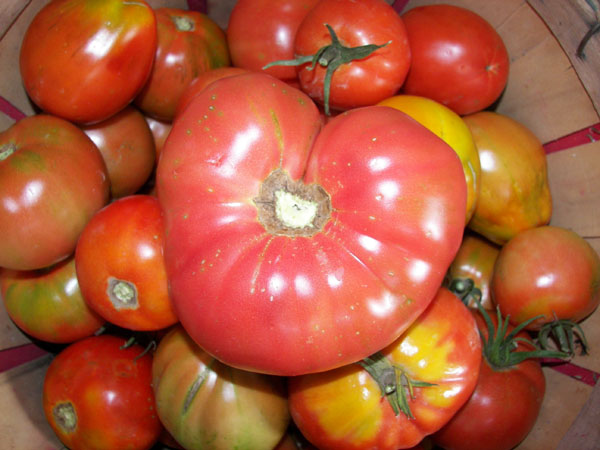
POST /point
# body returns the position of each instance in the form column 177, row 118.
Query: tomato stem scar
column 65, row 416
column 122, row 294
column 6, row 150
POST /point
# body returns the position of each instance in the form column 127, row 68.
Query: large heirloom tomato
column 52, row 180
column 98, row 396
column 514, row 194
column 289, row 252
column 124, row 279
column 458, row 58
column 204, row 403
column 47, row 304
column 352, row 408
column 189, row 43
column 85, row 60
column 548, row 271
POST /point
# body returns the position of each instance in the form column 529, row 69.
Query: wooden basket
column 551, row 89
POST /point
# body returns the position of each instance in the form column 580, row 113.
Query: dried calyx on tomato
column 331, row 57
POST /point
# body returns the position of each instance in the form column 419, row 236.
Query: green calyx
column 6, row 150
column 499, row 348
column 330, row 56
column 393, row 382
column 563, row 332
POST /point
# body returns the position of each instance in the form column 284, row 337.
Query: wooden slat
column 9, row 11
column 570, row 21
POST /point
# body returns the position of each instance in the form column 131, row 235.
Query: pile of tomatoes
column 311, row 233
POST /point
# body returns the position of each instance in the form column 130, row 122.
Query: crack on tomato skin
column 65, row 416
column 195, row 387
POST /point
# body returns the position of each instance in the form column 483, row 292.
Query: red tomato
column 505, row 404
column 47, row 304
column 475, row 260
column 124, row 278
column 458, row 58
column 367, row 80
column 52, row 180
column 349, row 409
column 85, row 60
column 514, row 194
column 329, row 247
column 206, row 404
column 98, row 396
column 549, row 271
column 189, row 43
column 160, row 131
column 127, row 146
column 198, row 84
column 252, row 46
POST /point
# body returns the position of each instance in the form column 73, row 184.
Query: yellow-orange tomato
column 514, row 194
column 450, row 127
column 475, row 259
column 345, row 408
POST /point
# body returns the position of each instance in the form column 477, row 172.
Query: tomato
column 47, row 304
column 475, row 260
column 252, row 46
column 189, row 43
column 548, row 271
column 450, row 127
column 201, row 81
column 507, row 399
column 97, row 395
column 124, row 279
column 206, row 404
column 160, row 131
column 515, row 194
column 85, row 60
column 127, row 146
column 348, row 408
column 458, row 58
column 367, row 80
column 52, row 180
column 328, row 246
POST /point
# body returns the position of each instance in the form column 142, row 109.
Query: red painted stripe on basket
column 13, row 357
column 581, row 137
column 198, row 5
column 579, row 373
column 11, row 110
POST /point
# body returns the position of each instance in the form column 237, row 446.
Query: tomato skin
column 198, row 84
column 252, row 47
column 549, row 271
column 475, row 260
column 470, row 60
column 503, row 408
column 47, row 304
column 127, row 146
column 231, row 409
column 85, row 60
column 366, row 81
column 515, row 194
column 344, row 408
column 397, row 196
column 450, row 127
column 160, row 131
column 128, row 263
column 189, row 43
column 50, row 185
column 109, row 389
